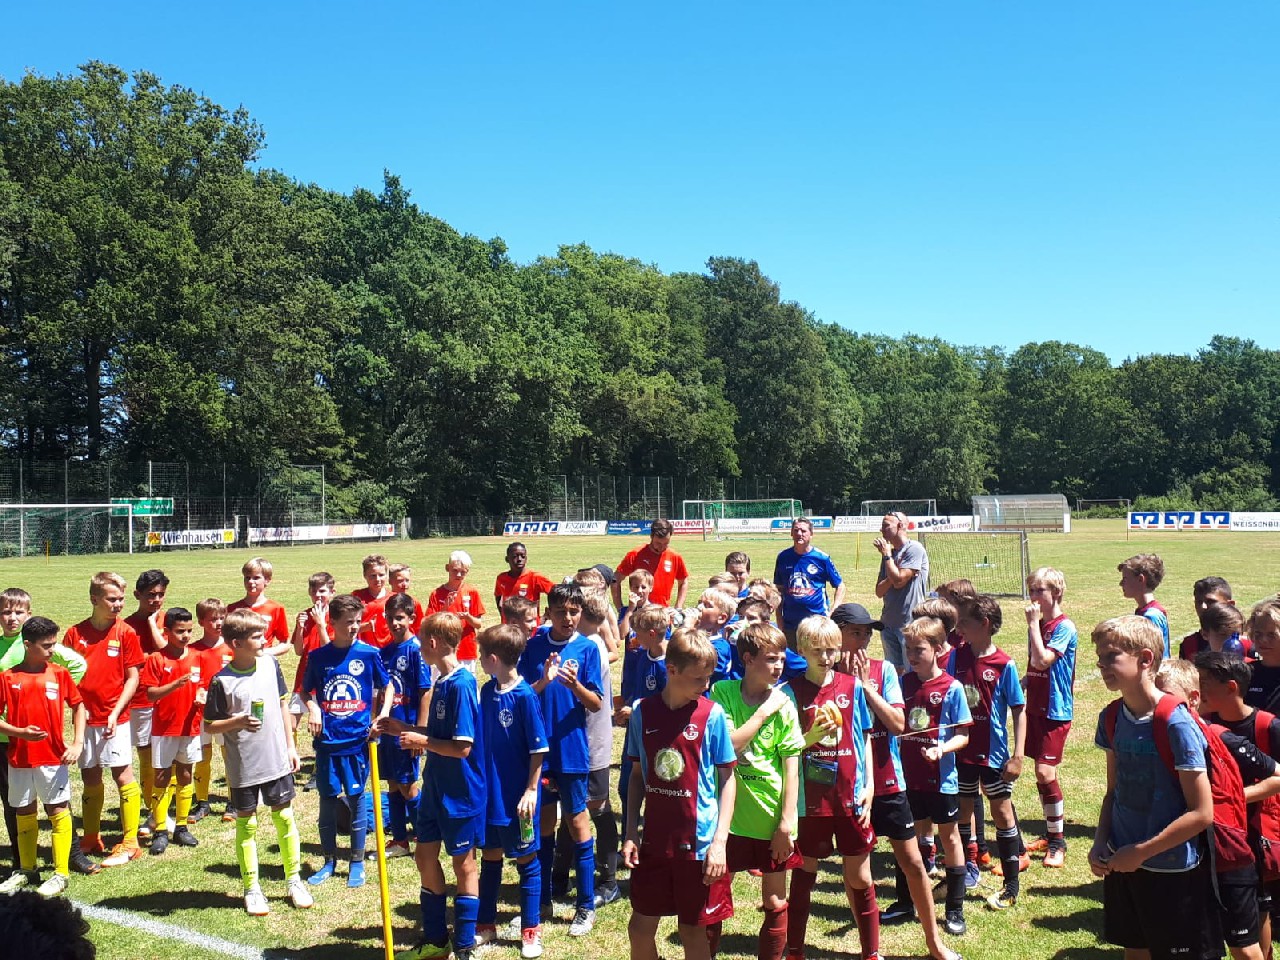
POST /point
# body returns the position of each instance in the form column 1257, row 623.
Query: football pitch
column 196, row 892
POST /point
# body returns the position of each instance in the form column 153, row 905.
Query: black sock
column 606, row 845
column 955, row 889
column 1007, row 842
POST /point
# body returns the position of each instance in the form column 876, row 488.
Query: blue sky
column 989, row 173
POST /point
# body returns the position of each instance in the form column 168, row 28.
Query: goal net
column 1107, row 507
column 36, row 529
column 996, row 563
column 912, row 508
column 743, row 519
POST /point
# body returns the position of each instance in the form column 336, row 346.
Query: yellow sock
column 28, row 833
column 247, row 850
column 185, row 793
column 146, row 777
column 203, row 774
column 62, row 842
column 160, row 809
column 130, row 806
column 95, row 795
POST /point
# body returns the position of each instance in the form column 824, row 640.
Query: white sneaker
column 255, row 903
column 299, row 895
column 17, row 880
column 583, row 922
column 513, row 930
column 55, row 886
column 531, row 943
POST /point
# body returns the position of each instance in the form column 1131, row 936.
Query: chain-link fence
column 637, row 497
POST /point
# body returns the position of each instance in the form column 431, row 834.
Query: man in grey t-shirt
column 903, row 579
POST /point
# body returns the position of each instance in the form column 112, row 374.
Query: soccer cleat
column 606, row 895
column 1001, row 901
column 92, row 843
column 465, row 953
column 147, row 827
column 122, row 854
column 531, row 943
column 1056, row 857
column 954, row 923
column 583, row 922
column 426, row 951
column 323, row 874
column 159, row 843
column 228, row 815
column 199, row 812
column 971, row 874
column 255, row 902
column 938, row 871
column 184, row 838
column 486, row 933
column 81, row 863
column 299, row 895
column 398, row 848
column 984, row 858
column 355, row 874
column 1024, row 861
column 897, row 912
column 1038, row 845
column 55, row 886
column 17, row 880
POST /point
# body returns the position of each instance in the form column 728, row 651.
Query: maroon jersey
column 933, row 707
column 832, row 770
column 980, row 678
column 885, row 763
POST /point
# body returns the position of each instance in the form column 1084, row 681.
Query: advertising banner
column 332, row 531
column 191, row 538
column 1182, row 520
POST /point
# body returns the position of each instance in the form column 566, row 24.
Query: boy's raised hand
column 1033, row 612
column 568, row 673
column 551, row 667
column 775, row 701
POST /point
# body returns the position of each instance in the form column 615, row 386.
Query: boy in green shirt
column 767, row 739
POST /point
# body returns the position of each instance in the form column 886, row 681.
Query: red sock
column 773, row 934
column 866, row 913
column 802, row 883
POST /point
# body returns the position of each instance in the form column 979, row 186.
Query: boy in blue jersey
column 563, row 667
column 802, row 573
column 343, row 679
column 715, row 608
column 515, row 745
column 989, row 760
column 1157, row 893
column 411, row 686
column 644, row 673
column 752, row 611
column 1140, row 575
column 739, row 564
column 451, row 813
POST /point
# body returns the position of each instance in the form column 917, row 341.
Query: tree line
column 162, row 297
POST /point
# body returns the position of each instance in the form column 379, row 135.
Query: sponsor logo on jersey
column 690, row 732
column 668, row 764
column 356, row 667
column 935, row 698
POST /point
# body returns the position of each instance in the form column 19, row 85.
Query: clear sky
column 991, row 173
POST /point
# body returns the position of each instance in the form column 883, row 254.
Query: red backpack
column 1269, row 809
column 1229, row 834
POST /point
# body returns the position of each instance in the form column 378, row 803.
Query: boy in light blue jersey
column 1140, row 575
column 715, row 608
column 411, row 683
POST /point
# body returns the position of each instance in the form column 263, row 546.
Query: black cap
column 604, row 570
column 854, row 614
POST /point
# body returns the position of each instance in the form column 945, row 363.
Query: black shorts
column 1238, row 899
column 598, row 787
column 1269, row 900
column 274, row 793
column 934, row 806
column 891, row 817
column 972, row 775
column 1171, row 914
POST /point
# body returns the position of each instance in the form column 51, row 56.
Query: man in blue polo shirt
column 802, row 574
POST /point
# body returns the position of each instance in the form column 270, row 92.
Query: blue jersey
column 1160, row 617
column 794, row 666
column 642, row 675
column 991, row 688
column 410, row 678
column 344, row 682
column 1146, row 797
column 803, row 580
column 456, row 785
column 726, row 653
column 1051, row 693
column 513, row 732
column 563, row 716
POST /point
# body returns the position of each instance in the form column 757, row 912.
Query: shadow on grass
column 162, row 903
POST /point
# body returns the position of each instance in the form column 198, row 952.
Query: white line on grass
column 124, row 918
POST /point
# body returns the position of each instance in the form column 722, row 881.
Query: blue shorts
column 396, row 765
column 567, row 789
column 343, row 774
column 507, row 836
column 457, row 835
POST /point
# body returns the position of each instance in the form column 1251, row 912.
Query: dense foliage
column 160, row 297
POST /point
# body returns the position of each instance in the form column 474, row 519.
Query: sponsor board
column 627, row 528
column 191, row 538
column 856, row 524
column 744, row 525
column 691, row 526
column 945, row 524
column 1182, row 520
column 1255, row 521
column 819, row 523
column 527, row 528
column 583, row 528
column 332, row 531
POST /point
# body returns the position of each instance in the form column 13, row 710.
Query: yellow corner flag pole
column 381, row 842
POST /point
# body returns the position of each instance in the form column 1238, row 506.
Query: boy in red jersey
column 519, row 581
column 175, row 682
column 311, row 631
column 682, row 774
column 257, row 573
column 32, row 698
column 114, row 657
column 373, row 628
column 399, row 580
column 214, row 655
column 149, row 590
column 458, row 597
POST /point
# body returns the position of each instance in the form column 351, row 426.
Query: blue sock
column 411, row 807
column 546, row 857
column 490, row 883
column 587, row 873
column 328, row 826
column 323, row 874
column 360, row 805
column 530, row 893
column 355, row 874
column 434, row 929
column 464, row 922
column 399, row 817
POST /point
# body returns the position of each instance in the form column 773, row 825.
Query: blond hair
column 1131, row 634
column 927, row 628
column 98, row 585
column 815, row 628
column 688, row 648
column 243, row 623
column 257, row 565
column 1048, row 577
column 1178, row 673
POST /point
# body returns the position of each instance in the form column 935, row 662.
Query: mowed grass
column 1058, row 916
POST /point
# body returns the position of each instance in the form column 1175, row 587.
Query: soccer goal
column 996, row 563
column 40, row 529
column 912, row 508
column 1106, row 507
column 742, row 519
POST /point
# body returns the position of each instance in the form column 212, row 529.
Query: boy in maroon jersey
column 682, row 761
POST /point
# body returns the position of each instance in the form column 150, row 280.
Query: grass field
column 1058, row 916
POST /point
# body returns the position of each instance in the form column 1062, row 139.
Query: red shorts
column 664, row 888
column 851, row 840
column 1046, row 739
column 748, row 853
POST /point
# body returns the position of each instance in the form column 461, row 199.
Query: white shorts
column 140, row 725
column 296, row 705
column 100, row 752
column 165, row 751
column 49, row 785
column 207, row 738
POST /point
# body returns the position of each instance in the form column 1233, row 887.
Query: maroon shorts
column 1046, row 739
column 664, row 888
column 748, row 853
column 850, row 839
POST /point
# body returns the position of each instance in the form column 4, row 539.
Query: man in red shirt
column 666, row 565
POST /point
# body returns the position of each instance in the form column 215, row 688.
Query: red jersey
column 312, row 639
column 832, row 770
column 109, row 654
column 466, row 600
column 667, row 567
column 530, row 585
column 176, row 714
column 278, row 621
column 212, row 660
column 886, row 762
column 36, row 699
column 934, row 709
column 141, row 624
column 373, row 625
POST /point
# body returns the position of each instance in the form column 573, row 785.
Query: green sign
column 143, row 506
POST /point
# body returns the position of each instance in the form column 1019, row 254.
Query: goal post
column 740, row 519
column 1104, row 507
column 33, row 529
column 997, row 563
column 912, row 508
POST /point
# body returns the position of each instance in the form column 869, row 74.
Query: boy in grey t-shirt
column 248, row 704
column 903, row 579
